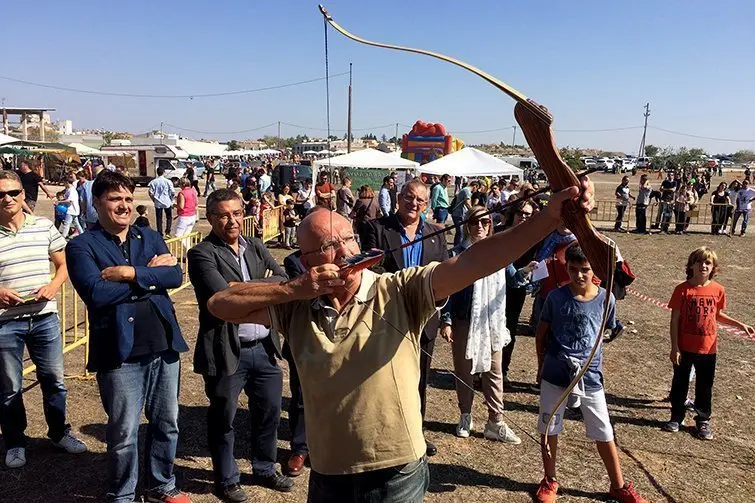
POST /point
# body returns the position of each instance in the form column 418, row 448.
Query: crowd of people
column 359, row 341
column 678, row 195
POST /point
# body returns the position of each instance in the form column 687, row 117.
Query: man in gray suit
column 233, row 357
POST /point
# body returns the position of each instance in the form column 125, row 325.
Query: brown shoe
column 296, row 464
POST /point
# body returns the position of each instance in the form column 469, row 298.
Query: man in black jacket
column 233, row 357
column 389, row 233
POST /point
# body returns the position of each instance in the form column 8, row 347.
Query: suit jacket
column 385, row 234
column 110, row 304
column 212, row 265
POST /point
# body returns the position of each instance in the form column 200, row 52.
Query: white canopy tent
column 82, row 149
column 470, row 162
column 367, row 158
column 4, row 138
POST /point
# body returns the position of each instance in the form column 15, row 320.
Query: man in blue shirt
column 384, row 197
column 162, row 194
column 408, row 225
column 123, row 273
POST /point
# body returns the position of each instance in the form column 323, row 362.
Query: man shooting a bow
column 354, row 336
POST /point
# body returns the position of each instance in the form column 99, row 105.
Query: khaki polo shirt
column 359, row 371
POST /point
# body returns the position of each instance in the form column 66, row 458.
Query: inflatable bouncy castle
column 427, row 142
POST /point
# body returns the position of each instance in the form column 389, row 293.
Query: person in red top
column 325, row 192
column 696, row 309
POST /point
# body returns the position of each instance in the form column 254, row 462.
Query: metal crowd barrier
column 699, row 214
column 74, row 325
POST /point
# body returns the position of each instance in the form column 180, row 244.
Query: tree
column 270, row 140
column 651, row 150
column 744, row 156
column 333, row 137
column 233, row 145
column 384, row 138
column 571, row 157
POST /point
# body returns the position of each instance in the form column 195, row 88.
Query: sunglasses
column 524, row 214
column 483, row 221
column 12, row 193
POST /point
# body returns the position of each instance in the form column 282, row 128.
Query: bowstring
column 327, row 119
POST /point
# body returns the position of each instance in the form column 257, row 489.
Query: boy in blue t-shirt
column 61, row 209
column 568, row 328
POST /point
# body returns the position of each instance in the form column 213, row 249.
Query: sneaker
column 617, row 330
column 71, row 444
column 231, row 494
column 464, row 428
column 547, row 491
column 626, row 494
column 501, row 432
column 172, row 496
column 671, row 427
column 703, row 431
column 15, row 457
column 276, row 482
column 689, row 405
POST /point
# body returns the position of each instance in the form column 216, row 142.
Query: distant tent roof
column 4, row 138
column 82, row 149
column 470, row 162
column 367, row 158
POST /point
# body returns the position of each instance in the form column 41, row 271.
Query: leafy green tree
column 234, row 145
column 651, row 150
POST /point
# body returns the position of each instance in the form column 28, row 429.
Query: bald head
column 325, row 237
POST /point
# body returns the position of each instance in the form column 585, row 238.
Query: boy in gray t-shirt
column 568, row 329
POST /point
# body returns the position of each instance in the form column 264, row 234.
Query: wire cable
column 169, row 96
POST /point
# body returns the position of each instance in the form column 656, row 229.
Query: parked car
column 628, row 165
column 606, row 163
column 644, row 162
column 176, row 171
column 589, row 162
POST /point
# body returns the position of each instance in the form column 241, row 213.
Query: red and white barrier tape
column 725, row 328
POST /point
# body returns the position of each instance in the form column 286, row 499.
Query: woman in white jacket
column 474, row 321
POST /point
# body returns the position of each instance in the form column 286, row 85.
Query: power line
column 221, row 132
column 170, row 96
column 339, row 130
column 698, row 136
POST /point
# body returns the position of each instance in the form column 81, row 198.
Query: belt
column 251, row 344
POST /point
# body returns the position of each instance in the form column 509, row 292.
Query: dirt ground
column 664, row 467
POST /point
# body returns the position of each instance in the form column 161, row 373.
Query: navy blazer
column 110, row 304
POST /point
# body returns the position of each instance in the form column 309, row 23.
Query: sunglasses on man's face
column 12, row 193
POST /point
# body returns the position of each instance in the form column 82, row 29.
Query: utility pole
column 162, row 135
column 278, row 144
column 395, row 139
column 644, row 131
column 513, row 138
column 348, row 127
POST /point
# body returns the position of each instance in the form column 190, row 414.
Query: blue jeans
column 152, row 385
column 440, row 215
column 745, row 220
column 259, row 375
column 41, row 335
column 398, row 484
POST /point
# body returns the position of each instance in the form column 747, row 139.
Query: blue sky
column 593, row 63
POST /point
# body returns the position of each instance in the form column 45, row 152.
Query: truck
column 147, row 158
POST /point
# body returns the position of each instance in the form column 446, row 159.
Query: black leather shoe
column 431, row 449
column 232, row 494
column 276, row 482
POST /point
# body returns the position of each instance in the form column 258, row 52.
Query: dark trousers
column 620, row 209
column 705, row 370
column 515, row 298
column 459, row 232
column 718, row 217
column 641, row 215
column 681, row 220
column 261, row 379
column 425, row 360
column 159, row 219
column 398, row 484
column 295, row 407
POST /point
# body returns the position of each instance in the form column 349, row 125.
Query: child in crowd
column 569, row 325
column 141, row 219
column 696, row 309
column 290, row 219
column 61, row 208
